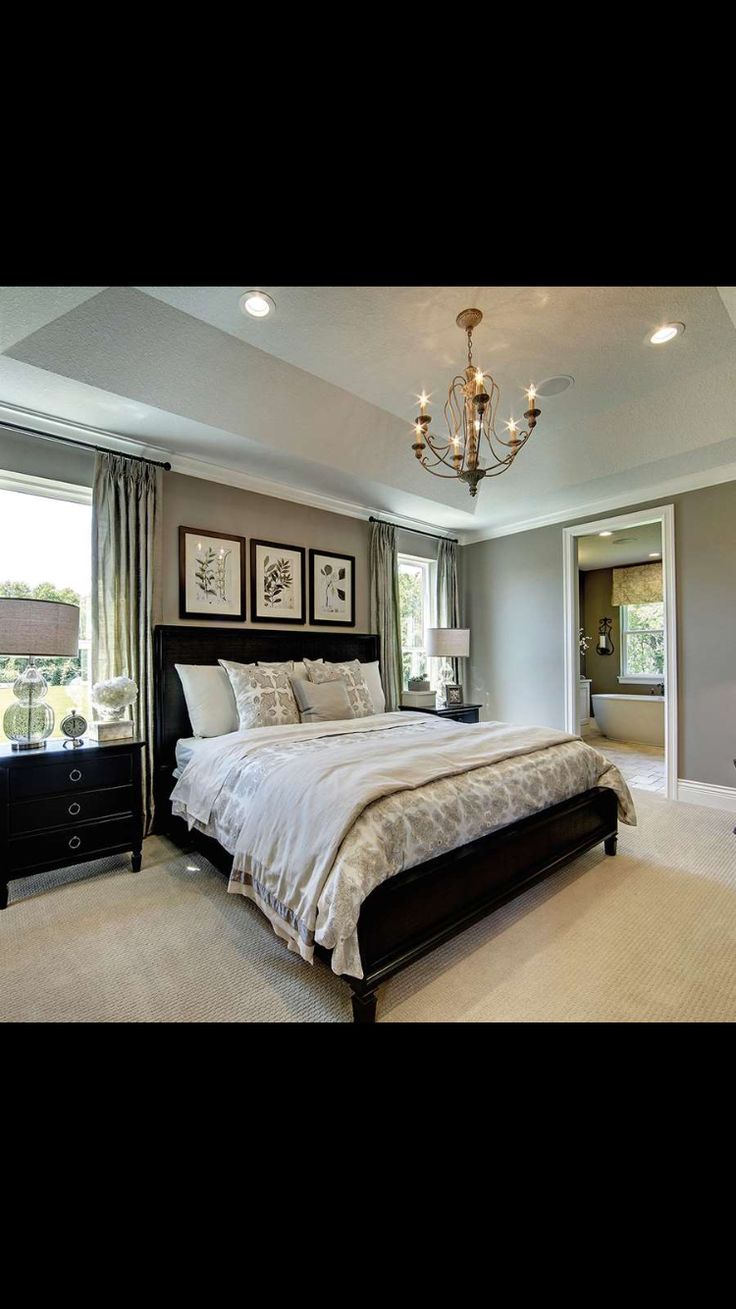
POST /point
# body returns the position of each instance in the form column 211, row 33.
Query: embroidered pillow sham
column 350, row 673
column 263, row 695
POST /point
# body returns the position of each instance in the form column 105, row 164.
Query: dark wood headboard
column 205, row 645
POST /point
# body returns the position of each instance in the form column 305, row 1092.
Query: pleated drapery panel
column 125, row 501
column 448, row 597
column 385, row 611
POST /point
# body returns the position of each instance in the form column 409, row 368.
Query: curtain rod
column 437, row 536
column 69, row 440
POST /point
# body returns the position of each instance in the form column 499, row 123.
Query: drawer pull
column 74, row 809
column 75, row 775
column 75, row 843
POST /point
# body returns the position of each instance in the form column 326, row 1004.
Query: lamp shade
column 448, row 642
column 38, row 627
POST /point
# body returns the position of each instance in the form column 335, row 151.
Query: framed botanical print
column 277, row 583
column 331, row 589
column 211, row 575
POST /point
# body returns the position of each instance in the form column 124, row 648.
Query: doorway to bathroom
column 620, row 643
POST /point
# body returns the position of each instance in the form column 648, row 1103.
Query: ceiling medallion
column 473, row 449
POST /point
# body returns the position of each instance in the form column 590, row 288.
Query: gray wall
column 38, row 458
column 193, row 502
column 513, row 606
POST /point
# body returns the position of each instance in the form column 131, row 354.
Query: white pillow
column 350, row 673
column 210, row 700
column 263, row 695
column 291, row 667
column 372, row 678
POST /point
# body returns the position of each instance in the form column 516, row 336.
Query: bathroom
column 622, row 650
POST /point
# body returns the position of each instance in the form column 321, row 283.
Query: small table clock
column 74, row 726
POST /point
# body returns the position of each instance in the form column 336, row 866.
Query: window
column 417, row 603
column 642, row 642
column 45, row 554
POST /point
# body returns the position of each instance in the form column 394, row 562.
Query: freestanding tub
column 638, row 718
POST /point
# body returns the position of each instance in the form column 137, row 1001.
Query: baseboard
column 715, row 797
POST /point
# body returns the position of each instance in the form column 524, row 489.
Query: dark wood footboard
column 413, row 913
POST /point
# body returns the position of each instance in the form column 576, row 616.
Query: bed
column 399, row 913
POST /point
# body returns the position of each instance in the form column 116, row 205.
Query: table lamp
column 33, row 628
column 447, row 643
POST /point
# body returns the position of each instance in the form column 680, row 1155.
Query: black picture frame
column 314, row 555
column 205, row 615
column 453, row 693
column 277, row 619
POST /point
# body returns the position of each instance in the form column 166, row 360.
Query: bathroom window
column 417, row 605
column 642, row 642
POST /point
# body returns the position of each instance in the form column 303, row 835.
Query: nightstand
column 62, row 805
column 459, row 713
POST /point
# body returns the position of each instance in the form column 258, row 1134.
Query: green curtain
column 385, row 613
column 448, row 597
column 124, row 523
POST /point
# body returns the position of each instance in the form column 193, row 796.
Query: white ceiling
column 631, row 545
column 319, row 397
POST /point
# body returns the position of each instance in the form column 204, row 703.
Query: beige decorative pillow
column 293, row 667
column 350, row 673
column 322, row 703
column 263, row 695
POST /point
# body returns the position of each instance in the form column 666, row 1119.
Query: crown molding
column 190, row 466
column 694, row 481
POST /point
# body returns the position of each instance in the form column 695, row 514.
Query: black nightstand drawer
column 74, row 774
column 469, row 716
column 69, row 810
column 70, row 844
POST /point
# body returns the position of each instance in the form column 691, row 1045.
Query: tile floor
column 641, row 765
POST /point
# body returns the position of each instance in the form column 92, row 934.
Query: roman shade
column 639, row 585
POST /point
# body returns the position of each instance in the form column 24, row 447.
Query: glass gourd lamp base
column 30, row 721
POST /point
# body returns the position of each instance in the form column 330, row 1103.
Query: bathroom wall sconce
column 604, row 645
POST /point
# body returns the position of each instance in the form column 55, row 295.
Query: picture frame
column 453, row 694
column 331, row 589
column 277, row 582
column 211, row 575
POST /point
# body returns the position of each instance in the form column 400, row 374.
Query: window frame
column 429, row 567
column 50, row 489
column 636, row 679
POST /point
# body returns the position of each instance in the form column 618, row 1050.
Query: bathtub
column 638, row 718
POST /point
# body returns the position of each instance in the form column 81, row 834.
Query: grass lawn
column 62, row 700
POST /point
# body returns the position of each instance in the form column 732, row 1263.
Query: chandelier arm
column 438, row 453
column 438, row 460
column 446, row 476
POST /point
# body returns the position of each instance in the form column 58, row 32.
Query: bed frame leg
column 364, row 1008
column 610, row 843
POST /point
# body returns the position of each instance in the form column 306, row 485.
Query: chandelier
column 473, row 449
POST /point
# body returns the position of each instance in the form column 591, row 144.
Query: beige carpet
column 648, row 936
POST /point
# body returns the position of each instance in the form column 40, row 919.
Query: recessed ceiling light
column 666, row 333
column 555, row 385
column 656, row 555
column 605, row 533
column 257, row 304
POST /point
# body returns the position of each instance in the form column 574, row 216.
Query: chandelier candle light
column 470, row 413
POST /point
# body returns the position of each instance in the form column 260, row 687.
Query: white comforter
column 318, row 815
